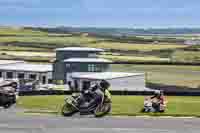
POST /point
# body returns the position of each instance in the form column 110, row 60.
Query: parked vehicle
column 8, row 94
column 72, row 106
column 153, row 105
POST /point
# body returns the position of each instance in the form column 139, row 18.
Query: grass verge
column 121, row 106
column 135, row 58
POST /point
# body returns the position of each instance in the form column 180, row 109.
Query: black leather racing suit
column 95, row 97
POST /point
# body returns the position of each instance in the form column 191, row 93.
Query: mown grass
column 183, row 36
column 165, row 74
column 86, row 41
column 41, row 59
column 50, row 40
column 21, row 48
column 19, row 31
column 28, row 53
column 121, row 105
column 186, row 56
column 136, row 47
column 31, row 36
column 135, row 58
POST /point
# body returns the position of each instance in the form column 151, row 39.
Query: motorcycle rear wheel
column 103, row 110
column 68, row 110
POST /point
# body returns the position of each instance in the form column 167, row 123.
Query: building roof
column 104, row 75
column 28, row 67
column 5, row 62
column 89, row 60
column 80, row 49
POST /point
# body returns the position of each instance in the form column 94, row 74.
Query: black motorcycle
column 71, row 106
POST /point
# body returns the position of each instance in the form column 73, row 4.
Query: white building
column 23, row 70
column 119, row 81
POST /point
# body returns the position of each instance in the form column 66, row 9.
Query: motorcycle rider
column 96, row 92
column 160, row 101
column 83, row 96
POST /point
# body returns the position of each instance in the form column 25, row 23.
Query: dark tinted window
column 43, row 79
column 32, row 76
column 9, row 75
column 21, row 76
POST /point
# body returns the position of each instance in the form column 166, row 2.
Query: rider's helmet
column 94, row 87
column 157, row 93
column 104, row 84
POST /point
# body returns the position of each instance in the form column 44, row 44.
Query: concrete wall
column 134, row 83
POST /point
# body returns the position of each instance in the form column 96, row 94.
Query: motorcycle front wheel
column 7, row 105
column 103, row 110
column 68, row 109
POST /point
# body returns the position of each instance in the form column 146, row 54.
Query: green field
column 137, row 47
column 29, row 36
column 19, row 31
column 186, row 56
column 22, row 48
column 122, row 105
column 27, row 53
column 15, row 42
column 135, row 58
column 37, row 41
column 165, row 74
column 90, row 42
column 50, row 40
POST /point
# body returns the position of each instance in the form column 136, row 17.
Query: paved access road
column 12, row 123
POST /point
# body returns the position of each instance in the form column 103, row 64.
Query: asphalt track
column 12, row 123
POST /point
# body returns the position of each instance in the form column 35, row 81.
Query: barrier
column 59, row 92
column 157, row 63
column 44, row 92
column 171, row 88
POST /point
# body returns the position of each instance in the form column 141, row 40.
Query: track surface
column 12, row 123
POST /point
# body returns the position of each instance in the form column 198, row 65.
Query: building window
column 98, row 68
column 44, row 79
column 9, row 75
column 1, row 75
column 91, row 67
column 68, row 65
column 94, row 68
column 92, row 55
column 21, row 76
column 32, row 76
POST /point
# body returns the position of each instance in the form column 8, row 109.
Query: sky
column 101, row 13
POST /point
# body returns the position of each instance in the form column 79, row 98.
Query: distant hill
column 119, row 31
